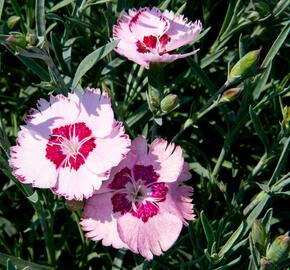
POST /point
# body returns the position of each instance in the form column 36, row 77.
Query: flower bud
column 168, row 103
column 31, row 39
column 153, row 99
column 74, row 205
column 245, row 64
column 279, row 249
column 253, row 16
column 12, row 21
column 259, row 235
column 230, row 94
column 17, row 40
column 265, row 264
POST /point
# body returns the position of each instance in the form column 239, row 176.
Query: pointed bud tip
column 231, row 94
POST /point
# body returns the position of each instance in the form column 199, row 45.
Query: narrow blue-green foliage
column 238, row 151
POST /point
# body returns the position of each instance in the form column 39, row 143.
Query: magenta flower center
column 137, row 192
column 153, row 44
column 70, row 145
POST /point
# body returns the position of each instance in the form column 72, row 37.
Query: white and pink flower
column 69, row 144
column 143, row 206
column 149, row 35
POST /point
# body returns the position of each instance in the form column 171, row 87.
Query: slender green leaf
column 61, row 5
column 254, row 254
column 230, row 264
column 164, row 4
column 210, row 58
column 231, row 241
column 276, row 46
column 266, row 220
column 112, row 65
column 21, row 264
column 209, row 234
column 57, row 48
column 259, row 129
column 1, row 7
column 281, row 162
column 40, row 18
column 90, row 60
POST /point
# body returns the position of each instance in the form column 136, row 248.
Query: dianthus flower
column 149, row 35
column 143, row 205
column 69, row 144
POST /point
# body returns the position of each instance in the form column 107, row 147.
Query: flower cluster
column 134, row 197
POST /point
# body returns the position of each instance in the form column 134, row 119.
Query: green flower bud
column 245, row 64
column 253, row 16
column 153, row 99
column 168, row 103
column 259, row 235
column 17, row 40
column 265, row 264
column 74, row 205
column 31, row 39
column 230, row 94
column 279, row 249
column 12, row 21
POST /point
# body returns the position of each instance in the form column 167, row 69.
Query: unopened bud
column 245, row 64
column 259, row 235
column 279, row 249
column 253, row 16
column 16, row 40
column 73, row 205
column 168, row 103
column 12, row 21
column 230, row 94
column 153, row 99
column 265, row 264
column 31, row 39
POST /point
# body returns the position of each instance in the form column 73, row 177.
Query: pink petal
column 52, row 114
column 129, row 50
column 148, row 22
column 140, row 147
column 185, row 174
column 181, row 32
column 166, row 159
column 178, row 202
column 150, row 57
column 109, row 151
column 152, row 237
column 77, row 185
column 99, row 222
column 96, row 111
column 28, row 160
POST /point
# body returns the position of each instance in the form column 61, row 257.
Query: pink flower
column 69, row 144
column 143, row 205
column 148, row 35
